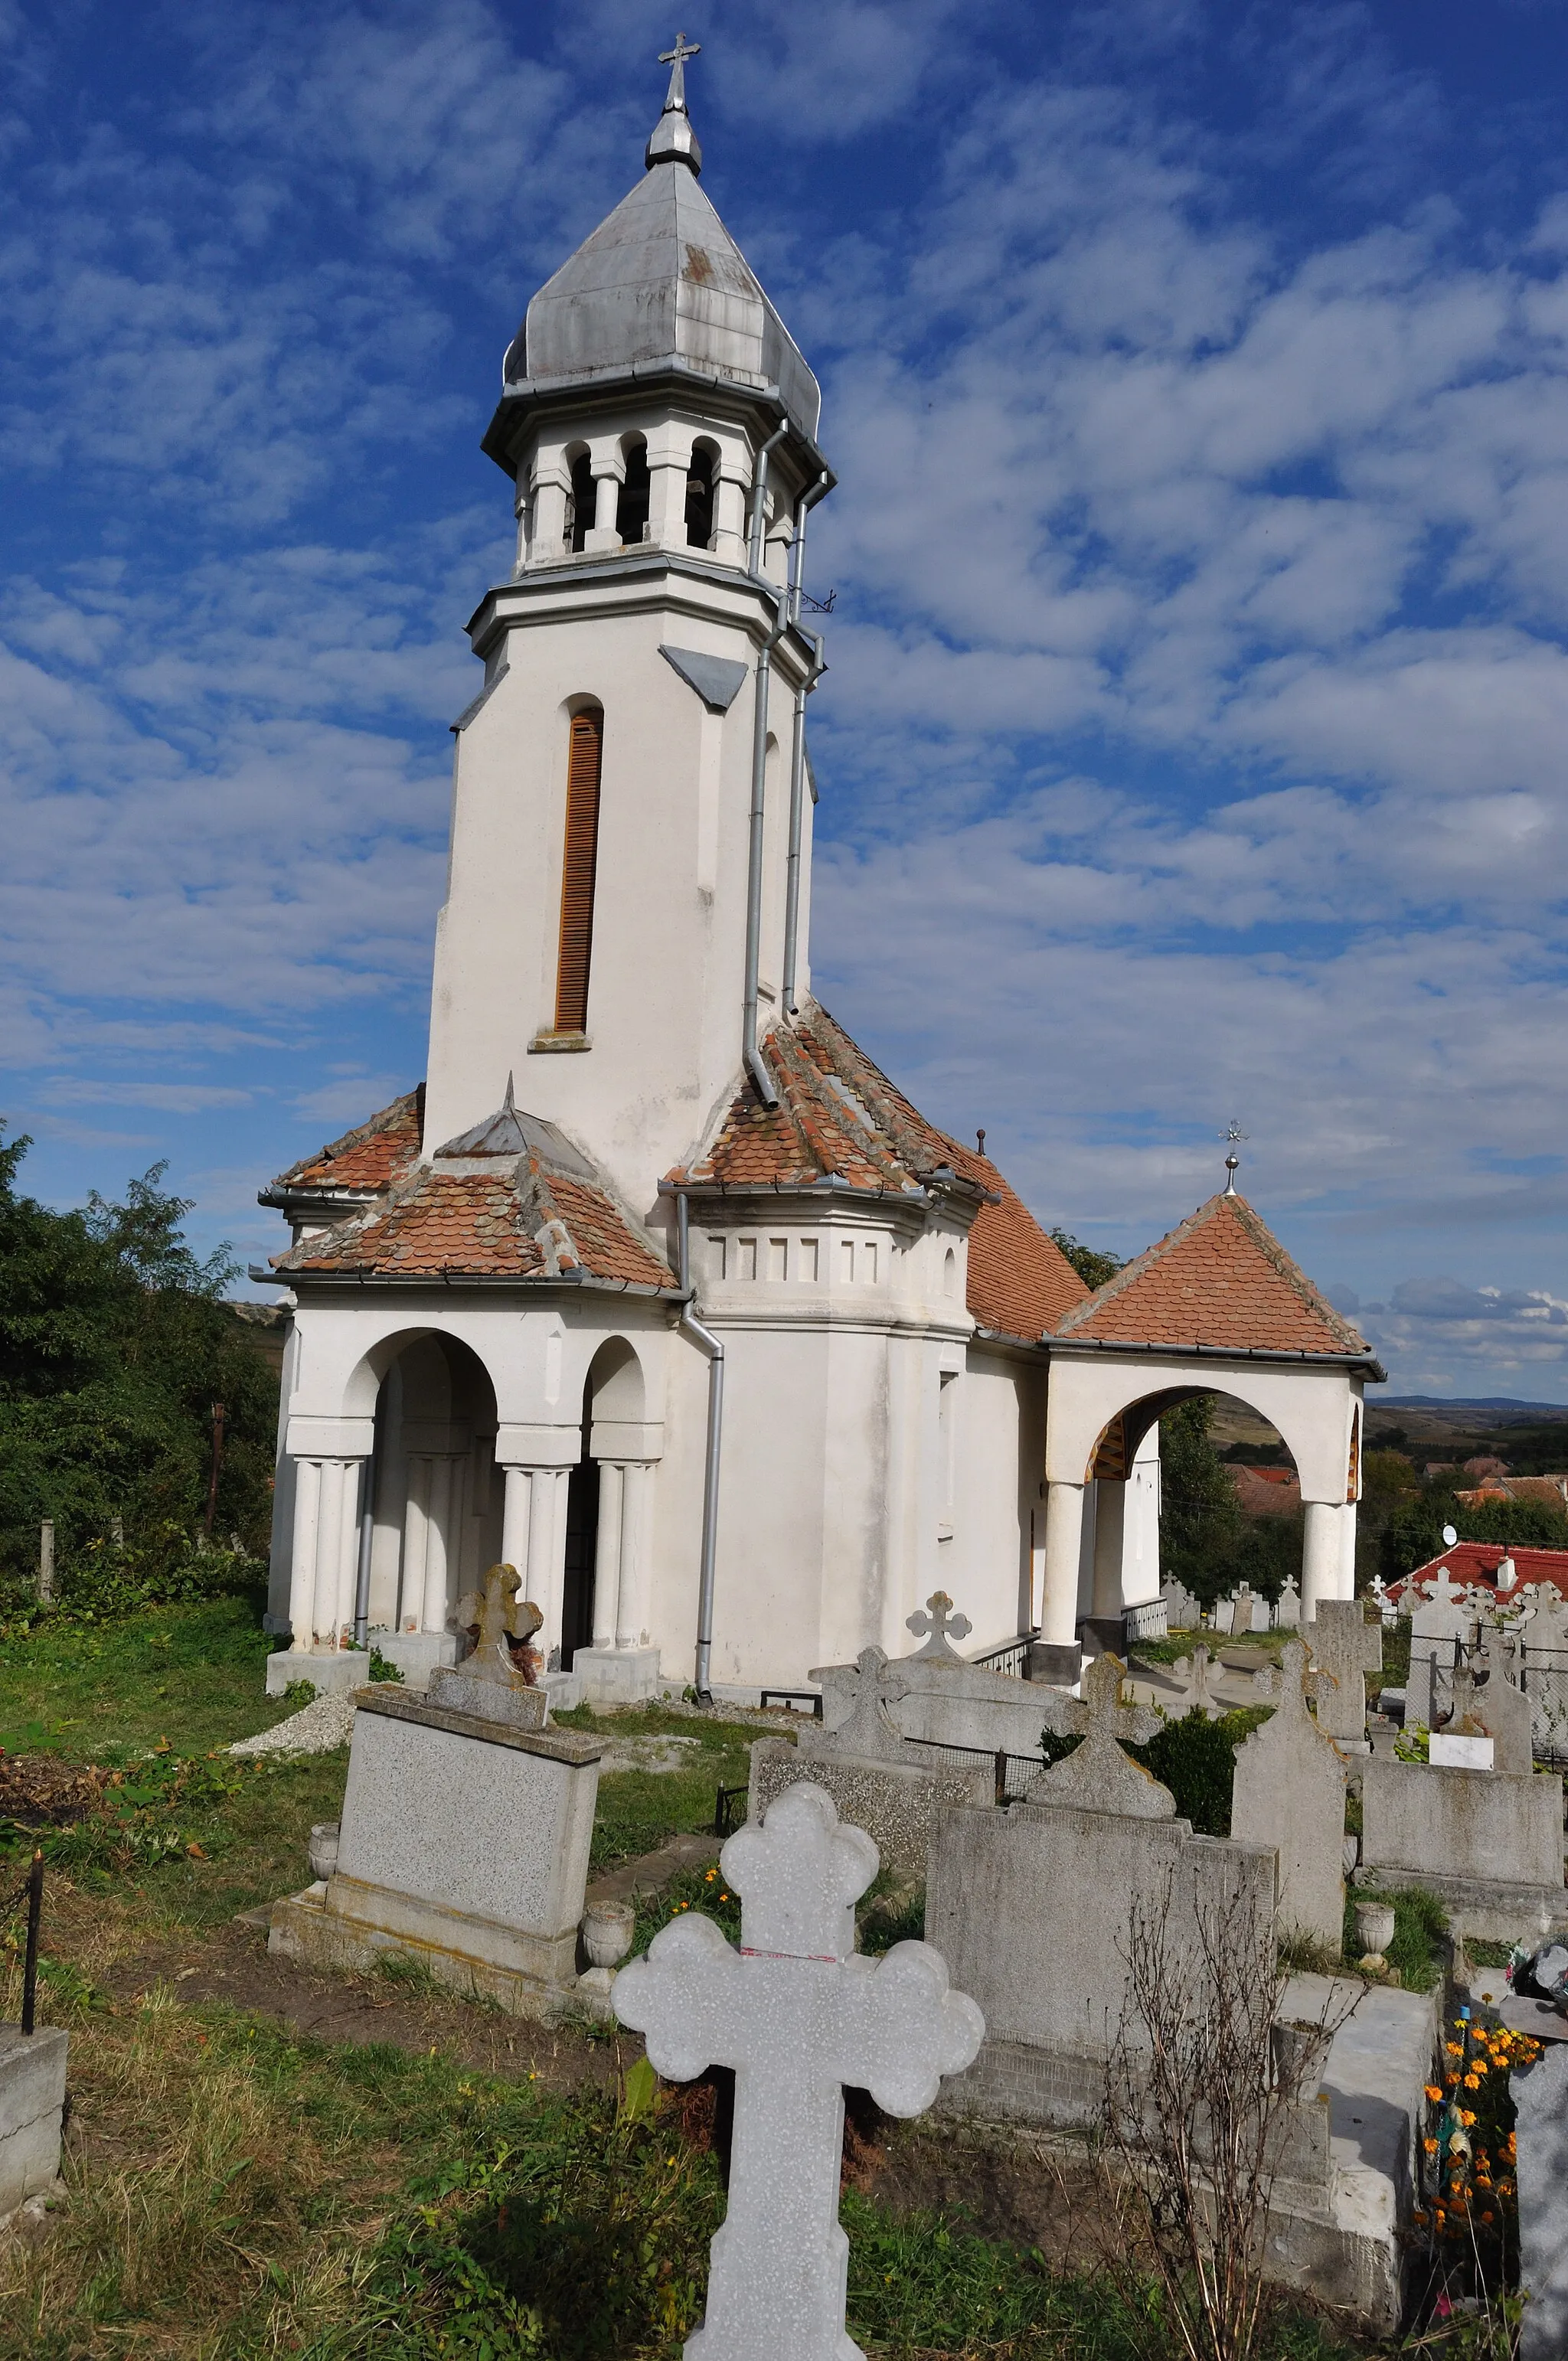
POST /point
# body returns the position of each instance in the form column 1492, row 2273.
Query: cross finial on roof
column 1231, row 1134
column 675, row 58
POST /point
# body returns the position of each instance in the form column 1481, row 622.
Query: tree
column 1201, row 1522
column 115, row 1344
column 1092, row 1267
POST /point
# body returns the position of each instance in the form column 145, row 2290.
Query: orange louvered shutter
column 577, row 872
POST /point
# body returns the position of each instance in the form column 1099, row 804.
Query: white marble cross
column 1097, row 1776
column 939, row 1619
column 797, row 2013
column 1347, row 1647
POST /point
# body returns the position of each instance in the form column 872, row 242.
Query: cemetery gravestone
column 1541, row 2097
column 879, row 1779
column 463, row 1842
column 1097, row 1776
column 1443, row 1622
column 933, row 1624
column 1287, row 1612
column 796, row 2014
column 1346, row 1647
column 1502, row 1709
column 1287, row 1790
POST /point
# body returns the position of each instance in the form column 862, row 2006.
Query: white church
column 656, row 1286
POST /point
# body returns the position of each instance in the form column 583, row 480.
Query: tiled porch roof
column 1222, row 1280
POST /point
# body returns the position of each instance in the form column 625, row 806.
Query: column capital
column 627, row 1439
column 538, row 1446
column 329, row 1438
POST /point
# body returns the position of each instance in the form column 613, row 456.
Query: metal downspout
column 797, row 821
column 693, row 1327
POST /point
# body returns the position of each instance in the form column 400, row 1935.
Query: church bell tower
column 628, row 887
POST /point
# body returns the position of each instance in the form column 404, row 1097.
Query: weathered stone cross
column 939, row 1619
column 1347, row 1647
column 798, row 2014
column 1097, row 1776
column 1194, row 1670
column 500, row 1614
column 869, row 1728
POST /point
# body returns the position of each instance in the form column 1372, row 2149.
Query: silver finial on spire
column 1231, row 1134
column 674, row 140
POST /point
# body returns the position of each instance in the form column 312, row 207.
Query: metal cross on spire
column 1231, row 1134
column 675, row 58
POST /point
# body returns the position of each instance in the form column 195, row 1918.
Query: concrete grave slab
column 1489, row 1844
column 464, row 1845
column 32, row 2106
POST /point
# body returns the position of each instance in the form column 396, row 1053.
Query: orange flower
column 1455, row 2049
column 1466, row 2116
column 1431, row 2147
column 1434, row 2092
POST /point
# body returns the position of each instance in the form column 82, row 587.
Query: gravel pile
column 316, row 1729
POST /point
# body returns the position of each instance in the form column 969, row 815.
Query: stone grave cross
column 1193, row 1670
column 939, row 1619
column 1346, row 1647
column 1097, row 1776
column 501, row 1615
column 1502, row 1707
column 797, row 2013
column 869, row 1728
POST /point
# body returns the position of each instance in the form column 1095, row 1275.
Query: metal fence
column 1011, row 1773
column 1542, row 1673
column 1011, row 1657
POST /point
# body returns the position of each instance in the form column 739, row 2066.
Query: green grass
column 1420, row 1924
column 247, row 2194
column 640, row 1810
column 104, row 1692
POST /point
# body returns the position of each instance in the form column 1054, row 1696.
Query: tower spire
column 674, row 140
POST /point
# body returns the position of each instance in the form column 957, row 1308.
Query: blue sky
column 1193, row 749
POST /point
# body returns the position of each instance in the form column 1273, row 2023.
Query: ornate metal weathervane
column 1231, row 1136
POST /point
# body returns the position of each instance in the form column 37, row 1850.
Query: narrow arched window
column 632, row 504
column 580, row 503
column 699, row 499
column 577, row 868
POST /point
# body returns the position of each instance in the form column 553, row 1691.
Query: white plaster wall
column 1140, row 1533
column 667, row 967
column 1002, row 1457
column 1309, row 1403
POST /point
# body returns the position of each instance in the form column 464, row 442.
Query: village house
column 655, row 1286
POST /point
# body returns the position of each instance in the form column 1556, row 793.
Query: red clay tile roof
column 373, row 1156
column 543, row 1214
column 1222, row 1279
column 1474, row 1565
column 838, row 1115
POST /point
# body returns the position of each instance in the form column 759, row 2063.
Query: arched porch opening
column 1103, row 1410
column 1192, row 1487
column 435, row 1494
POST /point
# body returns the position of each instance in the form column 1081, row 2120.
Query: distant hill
column 1497, row 1405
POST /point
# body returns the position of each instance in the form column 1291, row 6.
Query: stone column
column 1347, row 1551
column 514, row 1519
column 608, row 473
column 1058, row 1604
column 546, row 1578
column 437, row 1541
column 302, row 1563
column 346, row 1569
column 547, row 528
column 416, row 1531
column 669, row 463
column 636, row 1554
column 1110, row 1537
column 1322, row 1555
column 730, row 488
column 608, row 1558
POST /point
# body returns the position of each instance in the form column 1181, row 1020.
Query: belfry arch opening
column 632, row 506
column 699, row 496
column 435, row 1492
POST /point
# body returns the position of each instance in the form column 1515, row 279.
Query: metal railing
column 728, row 1809
column 1011, row 1774
column 1009, row 1656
